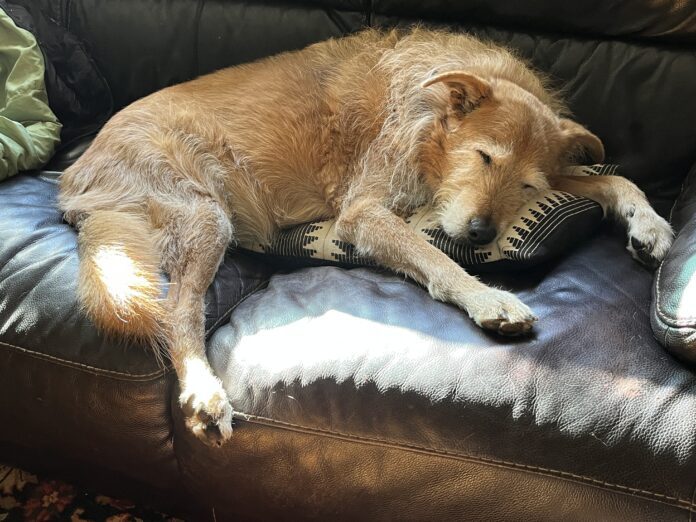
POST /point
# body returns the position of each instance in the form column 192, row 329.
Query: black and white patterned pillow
column 546, row 226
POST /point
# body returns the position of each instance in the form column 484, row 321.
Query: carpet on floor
column 25, row 497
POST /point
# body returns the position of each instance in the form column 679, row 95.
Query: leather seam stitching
column 674, row 205
column 86, row 367
column 688, row 504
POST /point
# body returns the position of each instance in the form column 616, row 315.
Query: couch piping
column 658, row 497
column 670, row 321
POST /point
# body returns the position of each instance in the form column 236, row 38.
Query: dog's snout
column 481, row 231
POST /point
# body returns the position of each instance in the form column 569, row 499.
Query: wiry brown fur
column 360, row 128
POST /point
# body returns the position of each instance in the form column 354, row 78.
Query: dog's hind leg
column 649, row 235
column 198, row 232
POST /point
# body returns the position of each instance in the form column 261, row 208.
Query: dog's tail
column 119, row 284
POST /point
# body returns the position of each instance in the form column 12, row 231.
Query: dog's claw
column 515, row 328
column 637, row 245
column 208, row 418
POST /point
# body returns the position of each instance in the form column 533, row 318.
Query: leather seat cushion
column 369, row 356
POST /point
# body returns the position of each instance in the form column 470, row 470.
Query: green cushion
column 29, row 131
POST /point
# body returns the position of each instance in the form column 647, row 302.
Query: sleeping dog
column 362, row 129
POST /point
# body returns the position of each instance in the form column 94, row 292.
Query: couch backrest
column 629, row 67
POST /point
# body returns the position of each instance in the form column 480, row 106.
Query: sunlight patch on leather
column 262, row 351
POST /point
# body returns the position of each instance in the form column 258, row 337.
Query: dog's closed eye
column 485, row 157
column 527, row 186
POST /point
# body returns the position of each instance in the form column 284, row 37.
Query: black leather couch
column 360, row 397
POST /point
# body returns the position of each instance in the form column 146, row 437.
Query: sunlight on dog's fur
column 363, row 129
column 119, row 278
column 119, row 274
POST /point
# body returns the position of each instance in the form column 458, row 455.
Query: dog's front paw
column 500, row 311
column 649, row 237
column 208, row 411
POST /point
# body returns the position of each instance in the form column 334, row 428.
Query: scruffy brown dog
column 360, row 128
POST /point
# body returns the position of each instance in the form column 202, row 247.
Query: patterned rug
column 26, row 497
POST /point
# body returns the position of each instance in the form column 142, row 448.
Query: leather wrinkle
column 229, row 310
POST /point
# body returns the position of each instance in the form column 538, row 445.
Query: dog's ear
column 467, row 91
column 579, row 141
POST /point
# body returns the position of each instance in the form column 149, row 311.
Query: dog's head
column 494, row 146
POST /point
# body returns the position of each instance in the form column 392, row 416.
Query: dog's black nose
column 481, row 231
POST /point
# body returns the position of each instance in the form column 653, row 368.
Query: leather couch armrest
column 673, row 308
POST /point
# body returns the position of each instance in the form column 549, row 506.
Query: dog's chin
column 457, row 237
column 462, row 239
